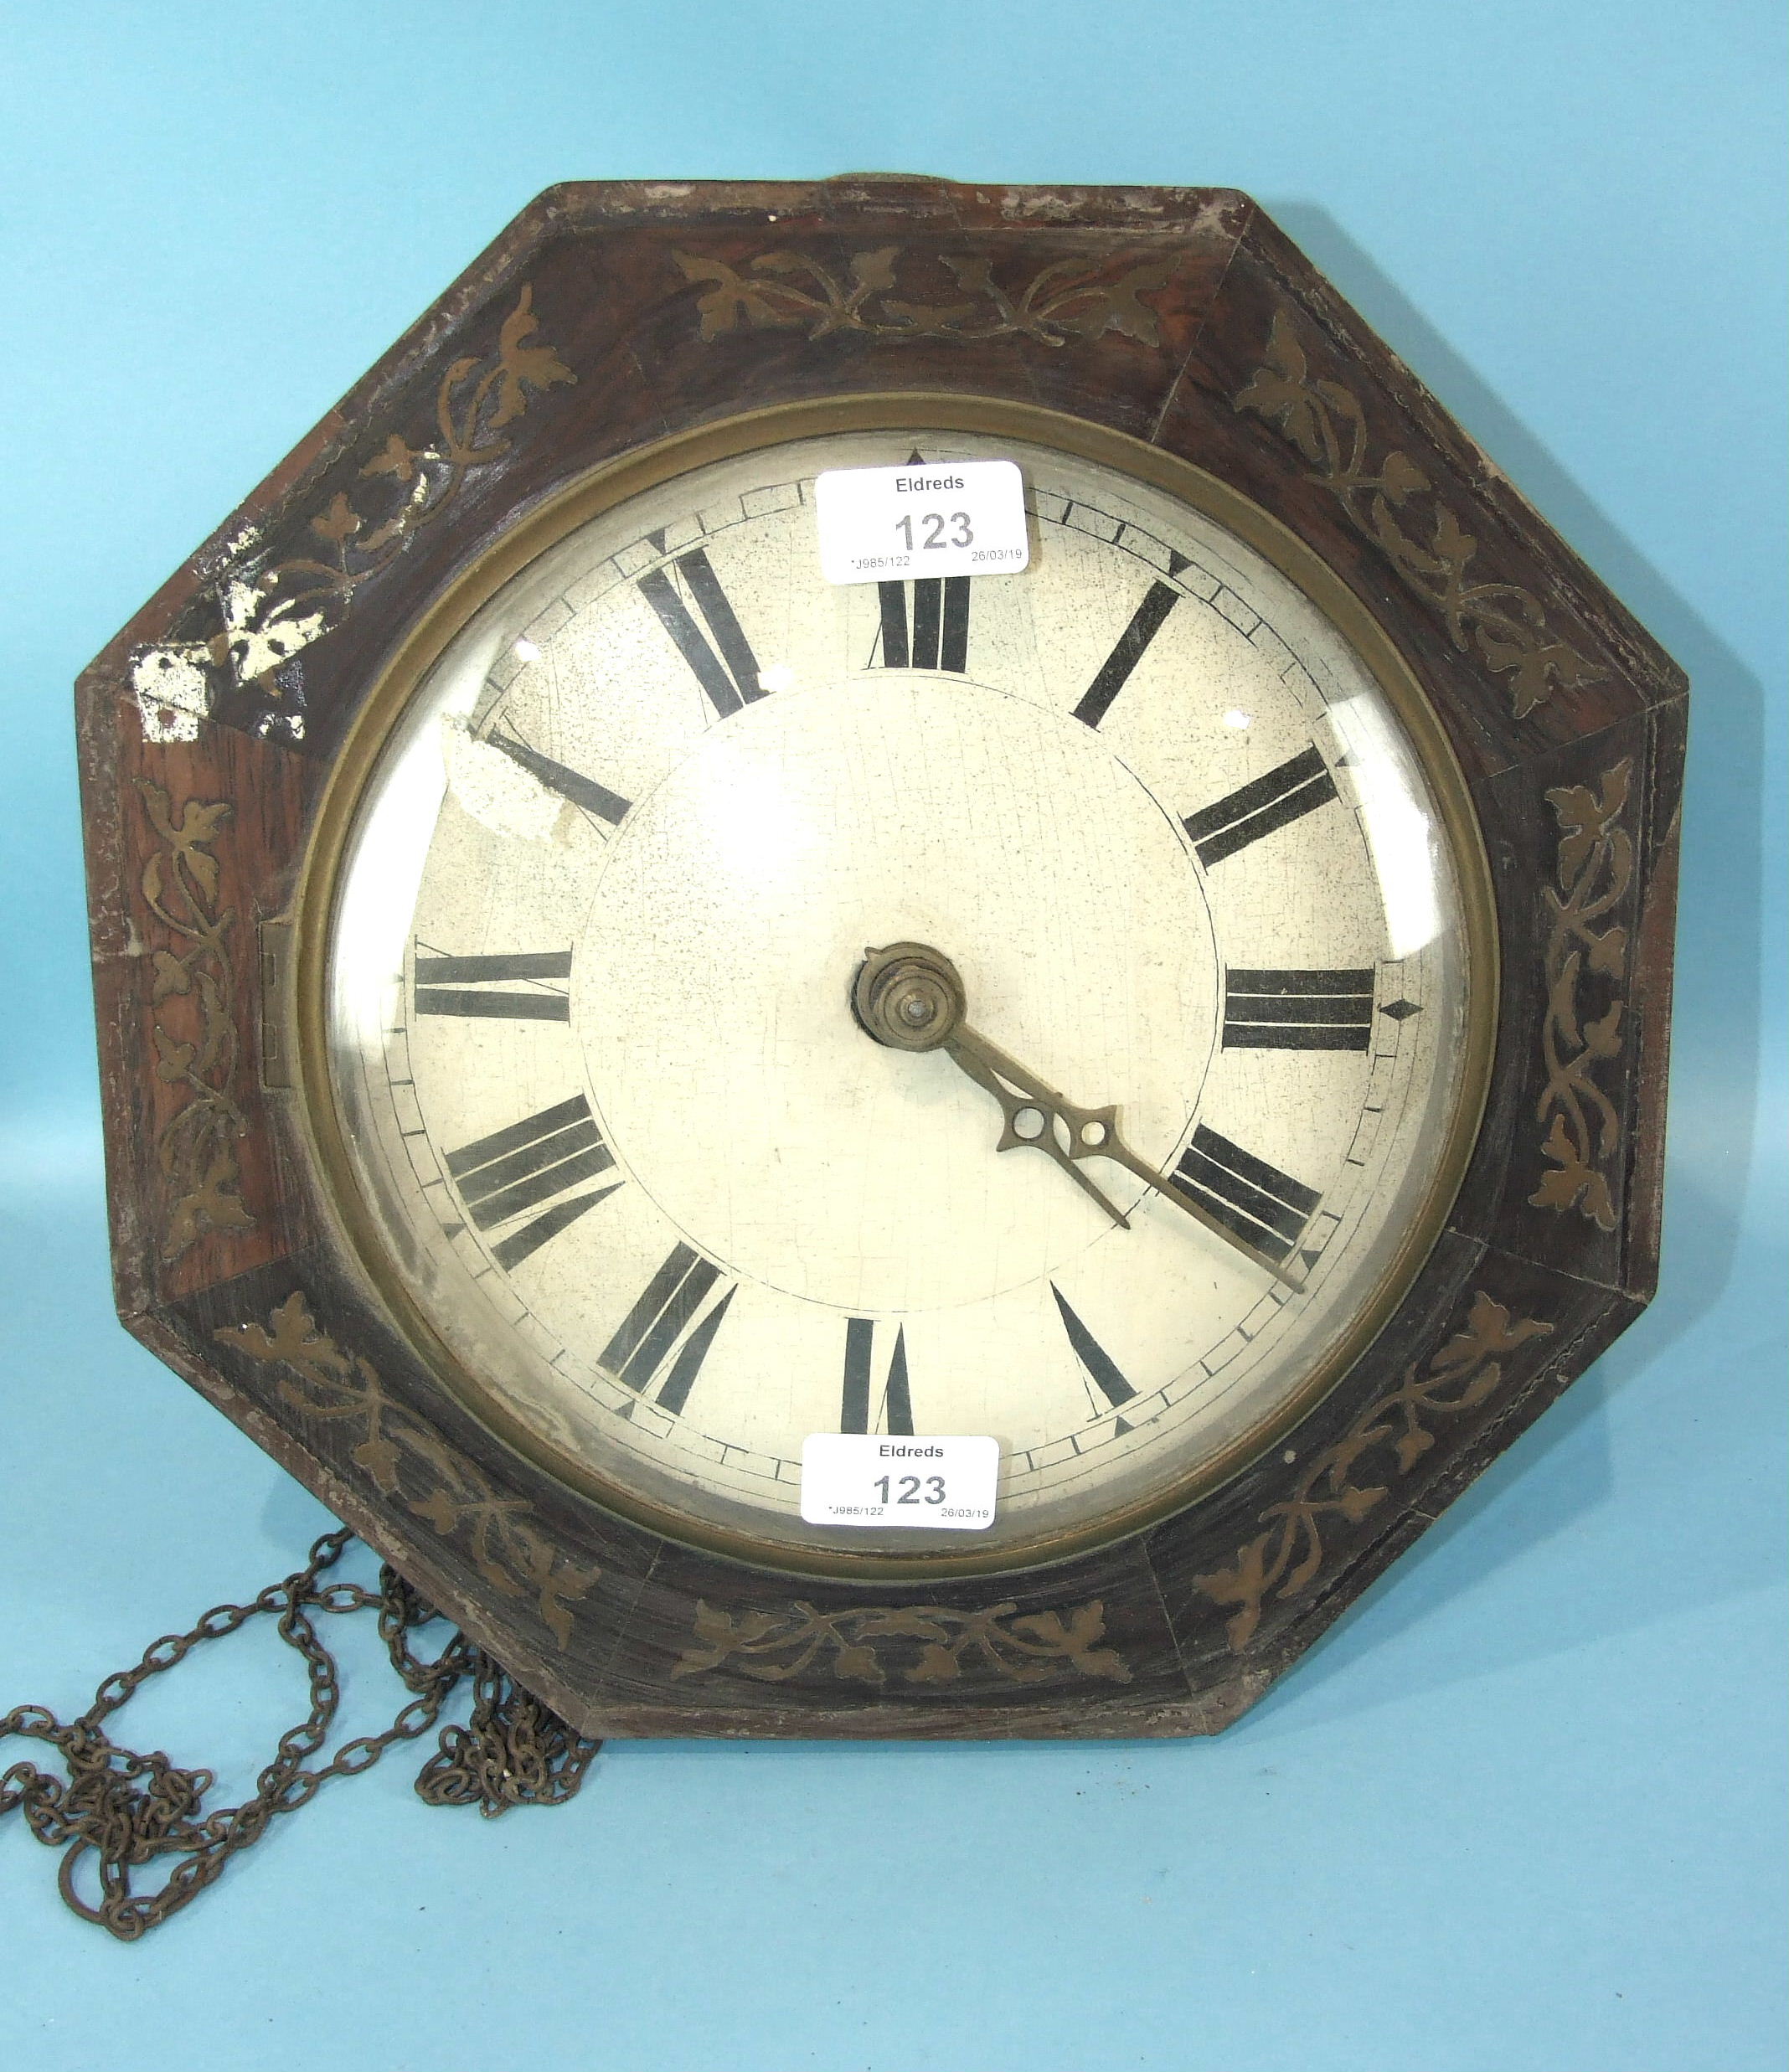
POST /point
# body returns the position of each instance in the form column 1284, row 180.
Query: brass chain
column 127, row 1810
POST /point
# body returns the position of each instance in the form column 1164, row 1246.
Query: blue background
column 1521, row 1808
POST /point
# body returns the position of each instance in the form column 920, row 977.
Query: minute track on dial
column 910, row 996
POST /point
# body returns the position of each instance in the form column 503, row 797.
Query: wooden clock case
column 608, row 317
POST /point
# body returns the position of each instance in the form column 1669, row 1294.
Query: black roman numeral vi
column 532, row 1162
column 1297, row 1010
column 895, row 1414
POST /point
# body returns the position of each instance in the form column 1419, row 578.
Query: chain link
column 127, row 1810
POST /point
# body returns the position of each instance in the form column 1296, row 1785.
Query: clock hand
column 1037, row 1116
column 1031, row 1114
column 911, row 997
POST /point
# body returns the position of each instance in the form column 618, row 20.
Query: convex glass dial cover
column 624, row 1135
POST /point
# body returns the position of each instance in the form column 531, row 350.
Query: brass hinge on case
column 276, row 1015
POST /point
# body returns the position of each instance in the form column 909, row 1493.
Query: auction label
column 948, row 518
column 853, row 1478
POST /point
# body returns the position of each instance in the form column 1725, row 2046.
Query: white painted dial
column 622, row 1139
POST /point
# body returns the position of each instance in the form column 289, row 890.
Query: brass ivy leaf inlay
column 1288, row 1557
column 919, row 1643
column 474, row 403
column 407, row 1461
column 196, row 1050
column 270, row 615
column 1327, row 426
column 1595, row 868
column 1069, row 299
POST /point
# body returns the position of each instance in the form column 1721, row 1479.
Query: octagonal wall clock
column 592, row 1008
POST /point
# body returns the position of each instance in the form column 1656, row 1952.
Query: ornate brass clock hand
column 911, row 997
column 1038, row 1117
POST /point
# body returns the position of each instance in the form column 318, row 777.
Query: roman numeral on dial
column 938, row 637
column 532, row 1162
column 895, row 1414
column 668, row 1332
column 468, row 985
column 1297, row 787
column 1265, row 1207
column 1102, row 1369
column 1297, row 1010
column 1145, row 622
column 727, row 670
column 583, row 792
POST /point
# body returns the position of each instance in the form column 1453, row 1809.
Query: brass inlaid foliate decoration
column 1595, row 868
column 269, row 613
column 327, row 1384
column 914, row 1643
column 1392, row 1434
column 1069, row 299
column 196, row 1046
column 1325, row 422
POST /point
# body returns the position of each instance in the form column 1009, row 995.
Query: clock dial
column 665, row 1200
